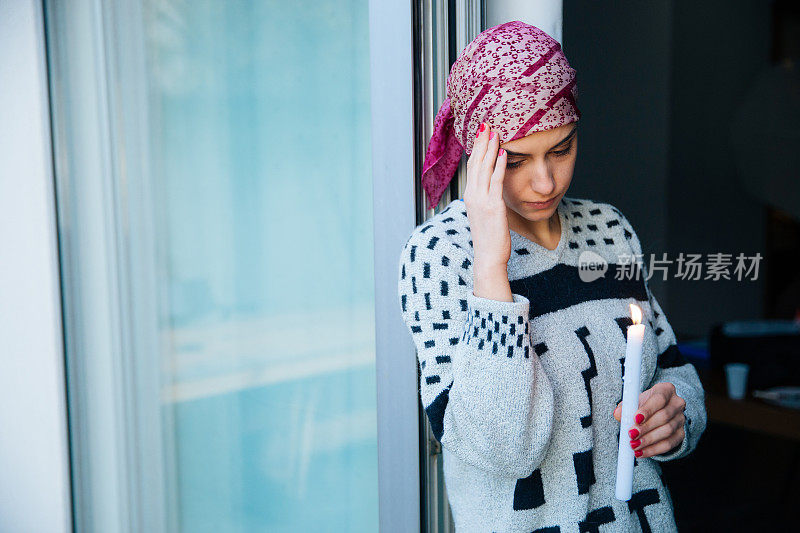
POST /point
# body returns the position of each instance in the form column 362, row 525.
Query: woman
column 521, row 360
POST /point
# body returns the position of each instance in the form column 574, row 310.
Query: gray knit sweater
column 521, row 394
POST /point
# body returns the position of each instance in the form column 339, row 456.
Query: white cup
column 736, row 374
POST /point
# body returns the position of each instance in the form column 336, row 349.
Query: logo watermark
column 690, row 267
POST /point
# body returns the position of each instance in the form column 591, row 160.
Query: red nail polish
column 491, row 135
column 633, row 433
column 501, row 152
column 639, row 418
column 637, row 453
column 635, row 443
column 477, row 134
column 483, row 127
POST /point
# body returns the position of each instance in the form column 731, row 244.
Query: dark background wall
column 658, row 84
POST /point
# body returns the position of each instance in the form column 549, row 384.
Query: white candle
column 630, row 404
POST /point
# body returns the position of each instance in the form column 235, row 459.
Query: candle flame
column 636, row 314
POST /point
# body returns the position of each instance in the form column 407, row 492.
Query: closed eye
column 557, row 153
column 565, row 151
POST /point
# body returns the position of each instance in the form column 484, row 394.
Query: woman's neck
column 545, row 232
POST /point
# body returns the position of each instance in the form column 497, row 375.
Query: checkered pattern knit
column 521, row 394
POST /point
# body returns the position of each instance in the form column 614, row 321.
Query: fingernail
column 637, row 453
column 639, row 418
column 635, row 443
column 478, row 134
column 501, row 152
column 491, row 136
column 483, row 127
column 633, row 433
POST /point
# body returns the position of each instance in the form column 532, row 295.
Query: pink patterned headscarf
column 515, row 78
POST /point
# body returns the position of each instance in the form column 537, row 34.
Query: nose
column 541, row 180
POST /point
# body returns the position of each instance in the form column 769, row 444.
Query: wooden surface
column 750, row 413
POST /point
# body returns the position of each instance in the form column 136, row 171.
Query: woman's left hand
column 658, row 424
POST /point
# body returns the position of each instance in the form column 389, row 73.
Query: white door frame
column 394, row 212
column 34, row 450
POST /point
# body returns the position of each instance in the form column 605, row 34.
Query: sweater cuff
column 520, row 307
column 495, row 327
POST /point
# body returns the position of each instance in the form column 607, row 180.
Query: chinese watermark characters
column 687, row 266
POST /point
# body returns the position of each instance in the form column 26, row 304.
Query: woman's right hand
column 483, row 198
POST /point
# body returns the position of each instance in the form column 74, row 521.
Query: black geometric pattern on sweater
column 498, row 332
column 596, row 518
column 435, row 412
column 638, row 502
column 584, row 470
column 529, row 492
column 587, row 374
column 560, row 287
column 551, row 529
column 623, row 322
column 671, row 357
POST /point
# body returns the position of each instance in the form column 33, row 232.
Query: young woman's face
column 539, row 167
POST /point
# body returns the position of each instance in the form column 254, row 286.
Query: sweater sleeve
column 673, row 368
column 485, row 393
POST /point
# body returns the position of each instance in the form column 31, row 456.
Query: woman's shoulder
column 599, row 226
column 446, row 230
column 587, row 207
column 597, row 215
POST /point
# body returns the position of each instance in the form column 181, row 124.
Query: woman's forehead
column 540, row 140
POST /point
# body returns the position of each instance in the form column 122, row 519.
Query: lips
column 543, row 202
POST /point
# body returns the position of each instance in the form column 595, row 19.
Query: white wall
column 34, row 482
column 544, row 14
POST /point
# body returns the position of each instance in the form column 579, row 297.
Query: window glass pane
column 260, row 153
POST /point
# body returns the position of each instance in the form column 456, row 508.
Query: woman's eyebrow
column 562, row 141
